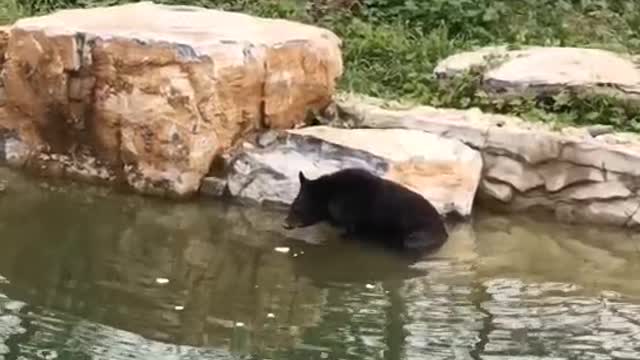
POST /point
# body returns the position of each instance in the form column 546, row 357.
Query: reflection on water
column 86, row 274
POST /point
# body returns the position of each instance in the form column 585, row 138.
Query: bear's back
column 382, row 198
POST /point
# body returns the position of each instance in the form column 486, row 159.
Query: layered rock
column 579, row 176
column 156, row 92
column 536, row 70
column 444, row 171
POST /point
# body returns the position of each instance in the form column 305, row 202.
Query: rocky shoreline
column 156, row 110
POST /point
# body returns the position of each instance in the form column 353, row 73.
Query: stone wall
column 580, row 174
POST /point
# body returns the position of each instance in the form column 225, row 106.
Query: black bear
column 368, row 206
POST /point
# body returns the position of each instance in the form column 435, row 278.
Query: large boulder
column 444, row 171
column 156, row 92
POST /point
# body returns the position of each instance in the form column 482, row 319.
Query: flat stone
column 4, row 41
column 597, row 191
column 541, row 69
column 464, row 125
column 621, row 158
column 617, row 212
column 532, row 145
column 496, row 190
column 558, row 175
column 459, row 63
column 444, row 171
column 156, row 98
column 510, row 171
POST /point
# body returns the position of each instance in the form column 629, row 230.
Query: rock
column 4, row 41
column 597, row 130
column 362, row 111
column 155, row 100
column 569, row 172
column 459, row 63
column 3, row 96
column 496, row 190
column 620, row 158
column 444, row 171
column 13, row 151
column 510, row 171
column 536, row 70
column 597, row 191
column 534, row 145
column 617, row 212
column 558, row 175
column 213, row 186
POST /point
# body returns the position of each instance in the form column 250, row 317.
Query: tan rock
column 496, row 190
column 617, row 212
column 621, row 158
column 444, row 171
column 558, row 175
column 511, row 171
column 3, row 96
column 464, row 125
column 477, row 59
column 596, row 191
column 533, row 145
column 4, row 41
column 539, row 69
column 575, row 67
column 159, row 99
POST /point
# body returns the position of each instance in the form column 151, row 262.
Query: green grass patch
column 11, row 10
column 392, row 46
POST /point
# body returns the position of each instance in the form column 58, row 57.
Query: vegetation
column 392, row 46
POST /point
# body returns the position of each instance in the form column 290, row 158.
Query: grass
column 10, row 11
column 392, row 46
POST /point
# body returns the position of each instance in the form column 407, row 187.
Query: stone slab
column 444, row 171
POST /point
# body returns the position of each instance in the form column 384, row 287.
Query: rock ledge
column 579, row 176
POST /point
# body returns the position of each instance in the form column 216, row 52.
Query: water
column 88, row 274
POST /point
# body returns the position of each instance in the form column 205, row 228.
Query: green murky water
column 85, row 274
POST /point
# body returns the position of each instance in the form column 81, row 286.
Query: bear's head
column 307, row 208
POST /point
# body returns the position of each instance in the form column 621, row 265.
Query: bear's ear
column 301, row 177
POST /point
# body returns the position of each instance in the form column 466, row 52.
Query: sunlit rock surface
column 155, row 92
column 579, row 176
column 444, row 171
column 537, row 70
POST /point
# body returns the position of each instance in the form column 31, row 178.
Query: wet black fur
column 368, row 207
